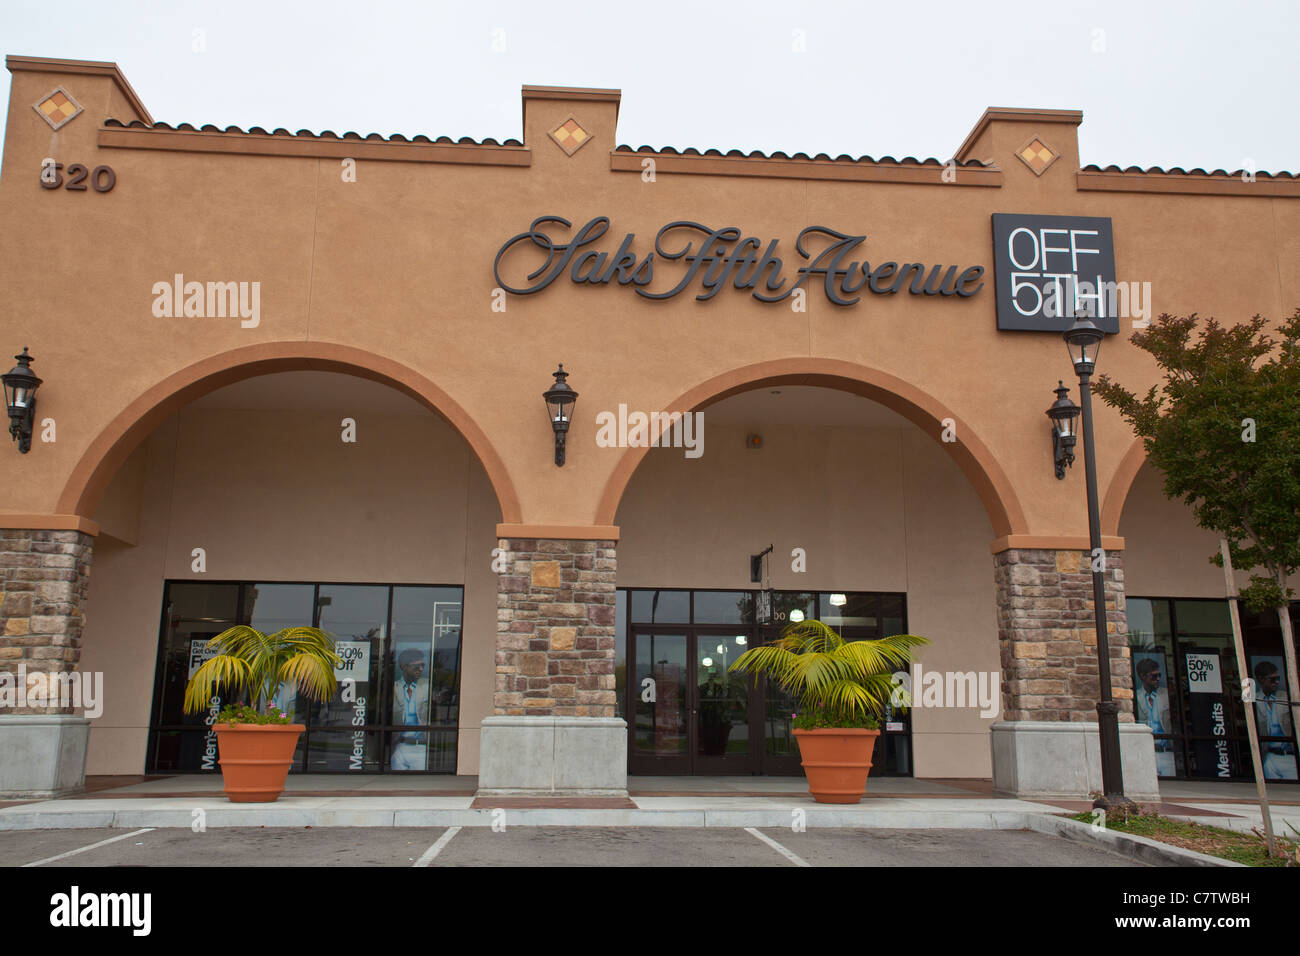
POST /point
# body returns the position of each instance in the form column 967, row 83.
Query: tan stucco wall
column 875, row 509
column 1166, row 553
column 274, row 496
column 398, row 266
column 392, row 275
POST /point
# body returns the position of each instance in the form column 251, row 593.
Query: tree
column 1224, row 428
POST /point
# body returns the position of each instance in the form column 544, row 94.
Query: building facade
column 292, row 378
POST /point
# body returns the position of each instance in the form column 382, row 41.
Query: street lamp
column 560, row 399
column 1083, row 339
column 20, row 384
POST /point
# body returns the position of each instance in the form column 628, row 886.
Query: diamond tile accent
column 57, row 107
column 570, row 136
column 1037, row 155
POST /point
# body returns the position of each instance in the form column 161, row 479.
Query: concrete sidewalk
column 429, row 801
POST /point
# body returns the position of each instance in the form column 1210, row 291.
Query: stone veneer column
column 555, row 629
column 554, row 728
column 43, row 580
column 1047, row 742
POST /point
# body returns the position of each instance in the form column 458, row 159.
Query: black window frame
column 764, row 634
column 386, row 732
column 1183, row 740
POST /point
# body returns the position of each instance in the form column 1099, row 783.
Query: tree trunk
column 1288, row 648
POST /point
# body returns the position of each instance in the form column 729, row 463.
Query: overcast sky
column 1208, row 84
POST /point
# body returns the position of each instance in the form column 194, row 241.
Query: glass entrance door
column 689, row 714
column 727, row 736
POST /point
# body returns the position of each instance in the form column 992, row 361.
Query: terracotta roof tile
column 308, row 134
column 780, row 155
column 1179, row 171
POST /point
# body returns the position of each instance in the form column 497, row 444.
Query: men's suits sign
column 1209, row 713
column 1047, row 267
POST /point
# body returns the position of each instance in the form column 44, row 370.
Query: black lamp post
column 1083, row 339
column 20, row 384
column 1064, row 414
column 560, row 399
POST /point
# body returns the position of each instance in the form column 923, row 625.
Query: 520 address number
column 101, row 178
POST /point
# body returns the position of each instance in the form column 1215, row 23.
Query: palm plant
column 841, row 681
column 303, row 657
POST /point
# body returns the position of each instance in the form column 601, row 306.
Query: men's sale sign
column 1048, row 268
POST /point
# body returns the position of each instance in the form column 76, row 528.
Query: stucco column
column 43, row 580
column 554, row 727
column 1047, row 743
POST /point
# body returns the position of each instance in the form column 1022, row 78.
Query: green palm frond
column 825, row 672
column 301, row 657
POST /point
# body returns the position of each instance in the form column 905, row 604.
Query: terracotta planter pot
column 836, row 761
column 255, row 759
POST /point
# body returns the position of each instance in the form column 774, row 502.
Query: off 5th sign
column 1046, row 268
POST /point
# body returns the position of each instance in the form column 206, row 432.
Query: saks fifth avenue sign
column 692, row 255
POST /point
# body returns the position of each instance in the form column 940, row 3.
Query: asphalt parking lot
column 547, row 846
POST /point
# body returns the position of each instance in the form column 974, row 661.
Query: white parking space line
column 430, row 854
column 63, row 856
column 792, row 857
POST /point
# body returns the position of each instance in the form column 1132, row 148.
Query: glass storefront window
column 723, row 607
column 661, row 607
column 1266, row 663
column 893, row 620
column 858, row 610
column 193, row 615
column 1140, row 626
column 356, row 616
column 1188, row 690
column 675, row 629
column 425, row 669
column 271, row 608
column 660, row 723
column 397, row 703
column 793, row 606
column 620, row 651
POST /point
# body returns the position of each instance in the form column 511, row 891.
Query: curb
column 224, row 815
column 1138, row 847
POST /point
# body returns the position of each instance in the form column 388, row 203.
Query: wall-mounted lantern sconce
column 1063, row 413
column 20, row 385
column 560, row 399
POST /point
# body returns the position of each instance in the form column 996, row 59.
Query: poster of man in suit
column 410, row 709
column 1273, row 719
column 1152, row 698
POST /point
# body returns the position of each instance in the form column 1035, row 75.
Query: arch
column 1121, row 483
column 86, row 485
column 971, row 455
